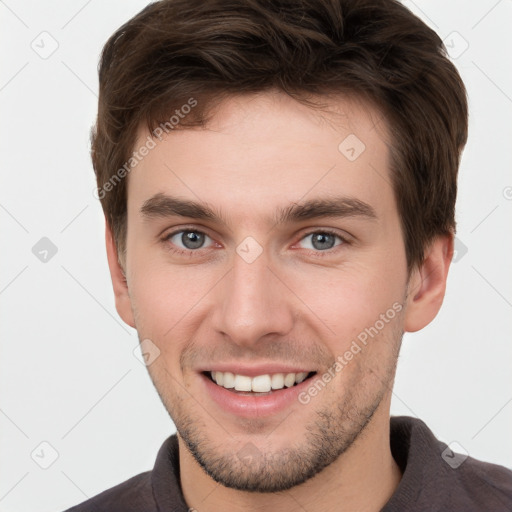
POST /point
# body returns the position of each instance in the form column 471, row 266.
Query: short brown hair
column 175, row 50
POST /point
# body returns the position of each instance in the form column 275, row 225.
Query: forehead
column 265, row 149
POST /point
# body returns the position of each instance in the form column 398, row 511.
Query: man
column 279, row 182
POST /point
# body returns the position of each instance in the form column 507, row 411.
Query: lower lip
column 253, row 406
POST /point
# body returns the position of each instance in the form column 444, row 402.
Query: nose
column 252, row 303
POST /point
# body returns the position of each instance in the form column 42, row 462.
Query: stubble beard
column 331, row 432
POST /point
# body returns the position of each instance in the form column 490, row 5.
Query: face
column 266, row 263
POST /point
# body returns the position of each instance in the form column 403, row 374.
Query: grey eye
column 321, row 241
column 189, row 239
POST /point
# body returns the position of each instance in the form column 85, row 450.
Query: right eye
column 187, row 240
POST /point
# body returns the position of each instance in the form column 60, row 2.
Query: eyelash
column 316, row 253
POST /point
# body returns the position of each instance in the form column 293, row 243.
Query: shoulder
column 435, row 478
column 133, row 495
column 151, row 491
column 485, row 484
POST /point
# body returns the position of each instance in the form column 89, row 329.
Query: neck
column 345, row 485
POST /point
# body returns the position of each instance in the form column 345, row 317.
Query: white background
column 68, row 375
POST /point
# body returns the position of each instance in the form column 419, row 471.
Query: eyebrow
column 163, row 206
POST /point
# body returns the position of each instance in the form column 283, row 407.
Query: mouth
column 258, row 385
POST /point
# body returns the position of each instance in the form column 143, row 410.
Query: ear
column 123, row 303
column 427, row 284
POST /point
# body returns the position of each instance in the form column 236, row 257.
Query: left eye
column 189, row 240
column 322, row 241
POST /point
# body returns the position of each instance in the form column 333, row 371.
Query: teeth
column 226, row 379
column 299, row 377
column 277, row 381
column 261, row 384
column 243, row 383
column 219, row 378
column 258, row 384
column 289, row 380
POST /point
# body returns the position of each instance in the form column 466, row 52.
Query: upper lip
column 257, row 369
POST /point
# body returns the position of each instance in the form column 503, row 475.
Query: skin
column 293, row 304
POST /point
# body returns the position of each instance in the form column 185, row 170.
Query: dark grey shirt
column 432, row 479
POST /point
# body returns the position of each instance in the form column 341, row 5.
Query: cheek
column 167, row 300
column 349, row 299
